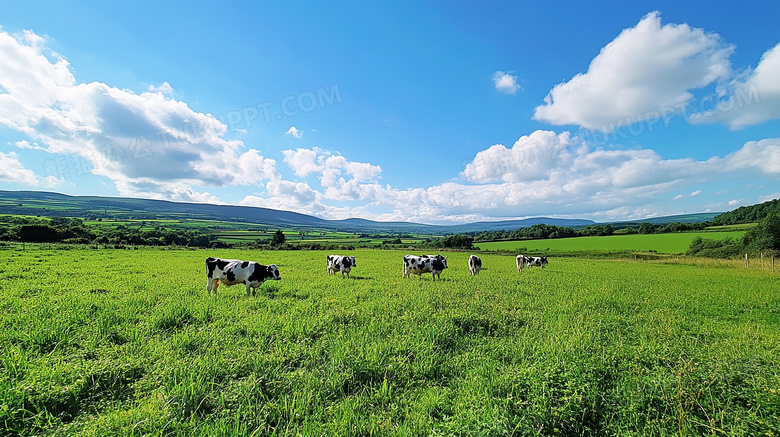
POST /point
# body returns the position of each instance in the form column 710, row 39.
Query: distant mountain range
column 55, row 204
column 681, row 218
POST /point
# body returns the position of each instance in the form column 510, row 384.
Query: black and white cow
column 475, row 265
column 338, row 263
column 234, row 271
column 520, row 260
column 433, row 264
column 530, row 261
column 539, row 261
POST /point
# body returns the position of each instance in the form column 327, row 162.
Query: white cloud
column 530, row 158
column 684, row 196
column 148, row 144
column 11, row 170
column 165, row 89
column 750, row 99
column 505, row 82
column 761, row 155
column 340, row 178
column 24, row 144
column 303, row 161
column 581, row 179
column 295, row 132
column 646, row 68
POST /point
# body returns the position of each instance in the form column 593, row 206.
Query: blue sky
column 435, row 112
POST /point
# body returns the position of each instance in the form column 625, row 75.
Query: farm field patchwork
column 663, row 243
column 127, row 342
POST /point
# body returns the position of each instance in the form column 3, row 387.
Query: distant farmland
column 663, row 243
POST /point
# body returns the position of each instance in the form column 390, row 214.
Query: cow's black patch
column 438, row 264
column 213, row 263
column 259, row 273
column 477, row 262
column 230, row 275
column 245, row 264
column 347, row 262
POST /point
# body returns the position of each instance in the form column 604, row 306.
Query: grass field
column 241, row 232
column 663, row 243
column 127, row 342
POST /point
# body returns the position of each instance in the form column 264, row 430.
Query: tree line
column 74, row 231
column 748, row 214
column 764, row 237
column 543, row 231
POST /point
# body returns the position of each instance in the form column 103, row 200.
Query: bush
column 764, row 236
column 707, row 247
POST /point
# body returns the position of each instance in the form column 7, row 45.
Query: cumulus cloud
column 11, row 170
column 164, row 89
column 530, row 158
column 750, row 99
column 340, row 178
column 579, row 178
column 505, row 82
column 646, row 68
column 763, row 155
column 142, row 142
column 295, row 132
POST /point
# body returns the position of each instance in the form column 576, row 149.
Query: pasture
column 127, row 342
column 663, row 243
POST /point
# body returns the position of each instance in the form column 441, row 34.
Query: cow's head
column 438, row 263
column 273, row 272
column 352, row 258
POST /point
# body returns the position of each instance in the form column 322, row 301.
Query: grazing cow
column 433, row 264
column 338, row 263
column 521, row 262
column 540, row 261
column 475, row 265
column 234, row 271
column 530, row 261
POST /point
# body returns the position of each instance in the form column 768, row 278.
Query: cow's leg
column 208, row 285
column 215, row 286
column 248, row 288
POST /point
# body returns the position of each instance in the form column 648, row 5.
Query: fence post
column 746, row 261
column 762, row 260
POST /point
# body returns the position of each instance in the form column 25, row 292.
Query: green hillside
column 662, row 243
column 748, row 214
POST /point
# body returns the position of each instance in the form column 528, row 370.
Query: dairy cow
column 540, row 261
column 475, row 265
column 520, row 260
column 338, row 263
column 417, row 265
column 530, row 261
column 234, row 271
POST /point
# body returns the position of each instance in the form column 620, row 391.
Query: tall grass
column 113, row 342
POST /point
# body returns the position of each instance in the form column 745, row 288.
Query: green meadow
column 663, row 243
column 127, row 342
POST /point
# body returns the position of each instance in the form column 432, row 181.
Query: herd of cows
column 252, row 274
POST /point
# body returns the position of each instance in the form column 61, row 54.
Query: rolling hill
column 94, row 207
column 62, row 205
